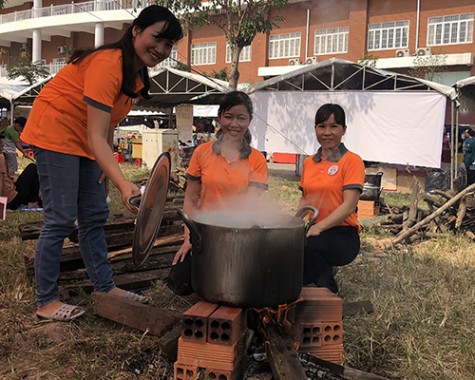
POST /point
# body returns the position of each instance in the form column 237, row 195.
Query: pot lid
column 152, row 205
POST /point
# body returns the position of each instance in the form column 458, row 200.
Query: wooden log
column 281, row 354
column 462, row 210
column 343, row 372
column 412, row 212
column 405, row 234
column 145, row 318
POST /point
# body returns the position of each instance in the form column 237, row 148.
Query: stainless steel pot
column 246, row 259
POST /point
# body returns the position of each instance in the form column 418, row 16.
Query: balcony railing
column 64, row 9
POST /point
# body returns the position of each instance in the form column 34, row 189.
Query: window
column 171, row 60
column 284, row 45
column 334, row 40
column 244, row 56
column 203, row 54
column 446, row 30
column 388, row 35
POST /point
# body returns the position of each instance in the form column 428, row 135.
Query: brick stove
column 214, row 338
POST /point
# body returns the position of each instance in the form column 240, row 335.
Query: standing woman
column 71, row 127
column 223, row 174
column 332, row 181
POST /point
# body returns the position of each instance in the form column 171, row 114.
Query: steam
column 250, row 211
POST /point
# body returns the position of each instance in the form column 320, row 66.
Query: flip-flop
column 64, row 313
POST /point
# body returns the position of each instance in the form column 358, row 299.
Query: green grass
column 421, row 328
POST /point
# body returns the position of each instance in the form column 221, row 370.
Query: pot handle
column 304, row 210
column 193, row 229
column 135, row 200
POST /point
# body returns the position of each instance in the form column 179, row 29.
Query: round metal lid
column 152, row 205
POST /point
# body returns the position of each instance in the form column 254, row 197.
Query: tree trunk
column 234, row 73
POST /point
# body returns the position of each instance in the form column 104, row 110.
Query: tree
column 30, row 71
column 427, row 66
column 239, row 20
column 369, row 60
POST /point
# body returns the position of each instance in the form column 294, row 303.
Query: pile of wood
column 444, row 212
column 119, row 232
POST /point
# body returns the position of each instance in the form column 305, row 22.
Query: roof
column 341, row 75
column 19, row 92
column 170, row 87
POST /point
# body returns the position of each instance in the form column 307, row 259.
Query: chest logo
column 332, row 170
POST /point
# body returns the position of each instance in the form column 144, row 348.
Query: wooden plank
column 168, row 344
column 145, row 318
column 282, row 356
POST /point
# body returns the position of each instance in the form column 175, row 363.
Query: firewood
column 405, row 234
column 462, row 210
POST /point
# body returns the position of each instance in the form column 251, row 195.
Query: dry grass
column 422, row 326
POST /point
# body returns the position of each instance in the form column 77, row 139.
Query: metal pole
column 452, row 144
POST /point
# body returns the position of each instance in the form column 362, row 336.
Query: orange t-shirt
column 58, row 119
column 223, row 183
column 323, row 182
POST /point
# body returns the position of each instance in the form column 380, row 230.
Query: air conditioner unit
column 423, row 51
column 402, row 53
column 23, row 47
column 60, row 50
column 294, row 62
column 311, row 60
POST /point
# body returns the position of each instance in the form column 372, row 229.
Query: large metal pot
column 247, row 259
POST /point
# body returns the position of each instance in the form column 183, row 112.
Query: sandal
column 64, row 313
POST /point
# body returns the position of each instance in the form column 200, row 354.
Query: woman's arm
column 190, row 205
column 98, row 137
column 350, row 202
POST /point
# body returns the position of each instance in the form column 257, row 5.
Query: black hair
column 325, row 111
column 20, row 120
column 470, row 131
column 235, row 98
column 149, row 16
column 232, row 99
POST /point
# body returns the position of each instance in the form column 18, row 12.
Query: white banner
column 403, row 128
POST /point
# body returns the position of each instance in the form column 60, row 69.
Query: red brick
column 318, row 305
column 226, row 325
column 185, row 372
column 318, row 334
column 195, row 321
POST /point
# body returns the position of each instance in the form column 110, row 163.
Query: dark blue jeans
column 71, row 192
column 336, row 246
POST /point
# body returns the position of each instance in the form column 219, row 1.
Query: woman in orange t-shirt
column 332, row 181
column 71, row 126
column 223, row 174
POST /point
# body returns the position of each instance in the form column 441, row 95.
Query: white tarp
column 205, row 110
column 392, row 127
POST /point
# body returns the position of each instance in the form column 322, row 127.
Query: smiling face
column 150, row 47
column 329, row 133
column 235, row 122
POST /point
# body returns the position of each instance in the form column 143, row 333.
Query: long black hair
column 150, row 15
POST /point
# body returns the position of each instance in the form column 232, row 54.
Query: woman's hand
column 315, row 230
column 127, row 190
column 182, row 252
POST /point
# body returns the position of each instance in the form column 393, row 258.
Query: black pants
column 179, row 278
column 27, row 186
column 470, row 177
column 337, row 246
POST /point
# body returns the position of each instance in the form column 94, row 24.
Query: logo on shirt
column 332, row 170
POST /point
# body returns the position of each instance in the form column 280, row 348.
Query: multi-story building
column 394, row 32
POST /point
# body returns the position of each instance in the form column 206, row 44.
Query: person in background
column 71, row 128
column 469, row 154
column 221, row 170
column 332, row 181
column 12, row 143
column 24, row 191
